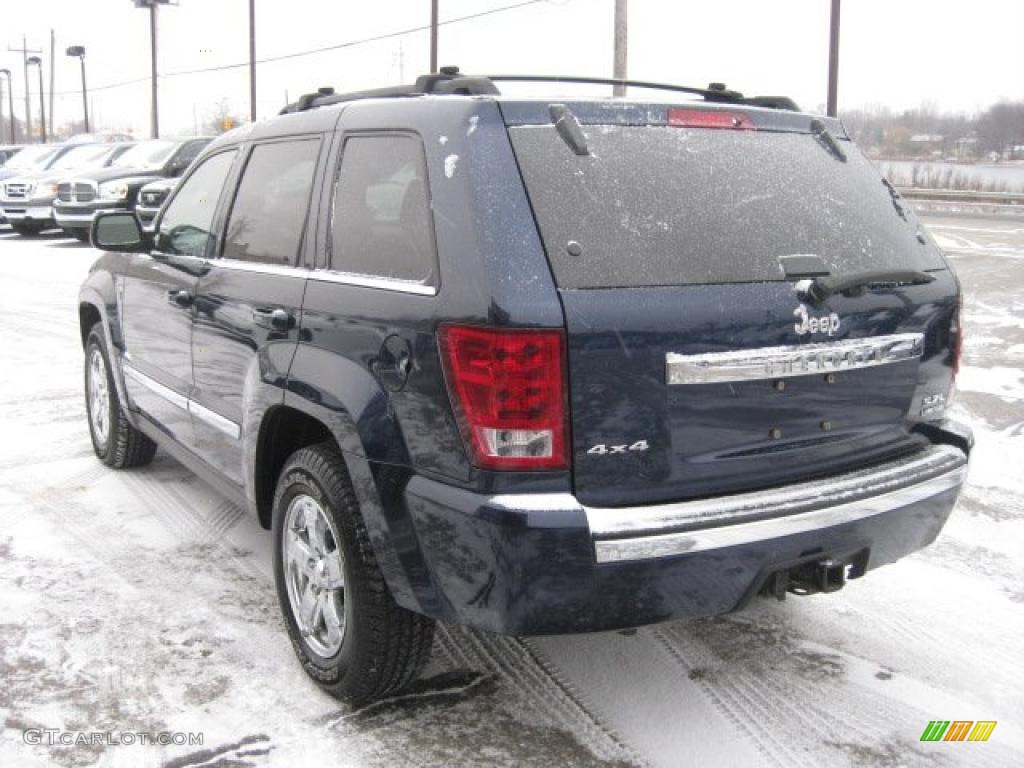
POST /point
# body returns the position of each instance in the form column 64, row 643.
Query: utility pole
column 619, row 62
column 154, row 112
column 833, row 61
column 53, row 120
column 25, row 51
column 38, row 62
column 433, row 35
column 10, row 103
column 252, row 60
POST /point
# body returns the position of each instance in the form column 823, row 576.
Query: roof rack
column 451, row 81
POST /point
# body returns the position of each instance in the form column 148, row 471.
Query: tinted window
column 270, row 208
column 185, row 225
column 671, row 206
column 381, row 218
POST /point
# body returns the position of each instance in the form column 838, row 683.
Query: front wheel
column 116, row 442
column 347, row 631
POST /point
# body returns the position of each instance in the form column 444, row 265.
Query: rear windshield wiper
column 819, row 289
column 827, row 140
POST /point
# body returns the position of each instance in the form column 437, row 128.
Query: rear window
column 658, row 205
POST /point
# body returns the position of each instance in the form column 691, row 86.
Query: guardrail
column 962, row 196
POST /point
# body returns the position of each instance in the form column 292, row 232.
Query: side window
column 185, row 225
column 269, row 213
column 381, row 223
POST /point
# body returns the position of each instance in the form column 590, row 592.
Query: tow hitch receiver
column 823, row 576
column 814, row 576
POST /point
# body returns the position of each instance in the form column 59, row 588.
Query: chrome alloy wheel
column 99, row 397
column 314, row 575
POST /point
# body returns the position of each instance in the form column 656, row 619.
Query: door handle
column 275, row 319
column 181, row 299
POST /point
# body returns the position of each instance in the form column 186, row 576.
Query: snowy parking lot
column 141, row 601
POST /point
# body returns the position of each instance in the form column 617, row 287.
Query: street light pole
column 154, row 113
column 619, row 63
column 154, row 116
column 79, row 51
column 252, row 60
column 38, row 62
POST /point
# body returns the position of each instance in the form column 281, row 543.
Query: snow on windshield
column 148, row 154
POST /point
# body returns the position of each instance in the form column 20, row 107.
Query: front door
column 248, row 302
column 158, row 301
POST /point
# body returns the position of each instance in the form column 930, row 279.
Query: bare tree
column 220, row 118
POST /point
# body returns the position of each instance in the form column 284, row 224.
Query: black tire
column 81, row 235
column 383, row 646
column 123, row 445
column 27, row 228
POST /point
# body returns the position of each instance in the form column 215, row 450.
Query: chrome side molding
column 214, row 419
column 792, row 360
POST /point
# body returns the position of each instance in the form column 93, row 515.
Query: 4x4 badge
column 828, row 324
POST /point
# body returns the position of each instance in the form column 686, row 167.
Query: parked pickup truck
column 81, row 195
column 534, row 365
column 150, row 198
column 26, row 199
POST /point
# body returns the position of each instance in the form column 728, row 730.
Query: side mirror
column 118, row 231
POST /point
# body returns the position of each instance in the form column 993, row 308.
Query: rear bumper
column 545, row 564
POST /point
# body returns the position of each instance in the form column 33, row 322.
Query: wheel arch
column 299, row 422
column 94, row 307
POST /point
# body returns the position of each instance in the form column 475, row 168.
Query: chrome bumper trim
column 786, row 511
column 792, row 360
column 76, row 218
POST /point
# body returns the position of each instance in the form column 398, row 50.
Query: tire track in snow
column 536, row 683
column 655, row 706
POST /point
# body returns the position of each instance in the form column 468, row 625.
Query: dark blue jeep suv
column 534, row 366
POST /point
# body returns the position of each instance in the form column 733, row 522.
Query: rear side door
column 248, row 302
column 158, row 297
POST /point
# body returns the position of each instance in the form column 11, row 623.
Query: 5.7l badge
column 828, row 324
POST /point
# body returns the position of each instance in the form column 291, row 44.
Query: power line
column 300, row 54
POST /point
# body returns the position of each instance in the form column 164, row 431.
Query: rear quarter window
column 380, row 221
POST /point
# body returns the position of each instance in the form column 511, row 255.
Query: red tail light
column 706, row 118
column 508, row 391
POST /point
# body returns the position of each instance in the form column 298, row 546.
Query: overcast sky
column 956, row 55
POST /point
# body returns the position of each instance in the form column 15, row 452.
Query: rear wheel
column 346, row 629
column 27, row 227
column 81, row 235
column 116, row 442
